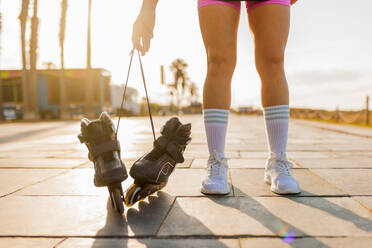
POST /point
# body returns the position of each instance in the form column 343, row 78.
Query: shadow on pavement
column 260, row 213
column 137, row 221
column 114, row 222
column 143, row 221
column 337, row 211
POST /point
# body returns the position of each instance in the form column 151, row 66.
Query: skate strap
column 170, row 147
column 125, row 89
column 109, row 146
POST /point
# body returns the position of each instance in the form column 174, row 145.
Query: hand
column 143, row 30
column 293, row 2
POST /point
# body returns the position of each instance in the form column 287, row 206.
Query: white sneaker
column 278, row 175
column 216, row 181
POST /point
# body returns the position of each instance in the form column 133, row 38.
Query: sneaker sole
column 214, row 192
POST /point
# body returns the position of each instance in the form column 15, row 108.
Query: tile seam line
column 165, row 217
column 227, row 196
column 60, row 242
column 350, row 196
column 328, row 182
column 43, row 180
column 170, row 237
column 320, row 177
column 37, row 168
column 361, row 203
column 231, row 183
column 190, row 165
column 336, row 130
column 301, row 166
column 240, row 243
column 272, row 196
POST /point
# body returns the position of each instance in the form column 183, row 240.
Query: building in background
column 48, row 90
column 131, row 104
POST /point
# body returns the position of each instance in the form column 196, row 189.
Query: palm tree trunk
column 25, row 84
column 63, row 95
column 33, row 60
column 89, row 83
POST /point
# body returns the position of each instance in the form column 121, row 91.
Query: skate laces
column 216, row 163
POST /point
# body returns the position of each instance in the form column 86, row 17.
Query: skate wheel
column 132, row 195
column 117, row 200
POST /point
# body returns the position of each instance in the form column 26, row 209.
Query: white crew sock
column 215, row 121
column 276, row 121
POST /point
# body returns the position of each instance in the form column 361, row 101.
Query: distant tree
column 181, row 80
column 49, row 65
column 25, row 82
column 194, row 94
column 62, row 31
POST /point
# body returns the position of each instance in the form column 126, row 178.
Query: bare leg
column 219, row 25
column 270, row 27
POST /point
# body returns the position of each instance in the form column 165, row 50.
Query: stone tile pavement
column 47, row 196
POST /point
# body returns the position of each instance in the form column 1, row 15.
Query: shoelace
column 284, row 166
column 214, row 165
column 213, row 170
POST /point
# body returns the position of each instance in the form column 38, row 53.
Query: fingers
column 145, row 44
column 142, row 35
column 136, row 41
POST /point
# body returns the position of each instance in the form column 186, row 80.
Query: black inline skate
column 152, row 170
column 104, row 151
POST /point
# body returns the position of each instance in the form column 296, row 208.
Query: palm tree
column 181, row 80
column 89, row 86
column 25, row 86
column 33, row 59
column 194, row 95
column 62, row 29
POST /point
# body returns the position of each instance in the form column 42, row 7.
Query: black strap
column 109, row 146
column 125, row 89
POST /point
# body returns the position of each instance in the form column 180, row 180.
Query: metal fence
column 352, row 117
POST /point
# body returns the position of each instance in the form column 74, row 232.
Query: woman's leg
column 270, row 26
column 218, row 24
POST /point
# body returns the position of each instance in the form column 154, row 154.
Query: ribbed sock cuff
column 216, row 116
column 215, row 121
column 276, row 112
column 276, row 121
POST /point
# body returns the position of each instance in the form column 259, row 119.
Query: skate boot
column 152, row 170
column 104, row 151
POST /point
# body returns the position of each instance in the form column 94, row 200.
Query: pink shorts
column 249, row 4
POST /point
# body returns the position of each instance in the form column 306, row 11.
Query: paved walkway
column 47, row 197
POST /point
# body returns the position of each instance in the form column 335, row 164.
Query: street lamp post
column 63, row 94
column 89, row 83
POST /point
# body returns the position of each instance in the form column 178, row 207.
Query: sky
column 328, row 57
